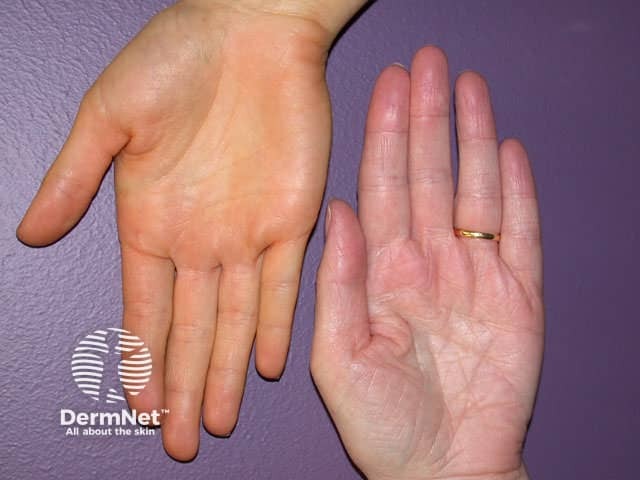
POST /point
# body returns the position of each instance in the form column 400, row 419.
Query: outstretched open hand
column 219, row 122
column 428, row 347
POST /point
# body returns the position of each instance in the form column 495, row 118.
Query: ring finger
column 478, row 197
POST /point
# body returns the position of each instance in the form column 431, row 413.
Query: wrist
column 520, row 474
column 330, row 15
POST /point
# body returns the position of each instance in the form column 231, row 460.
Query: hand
column 219, row 119
column 428, row 347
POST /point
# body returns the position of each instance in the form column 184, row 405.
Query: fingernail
column 327, row 221
column 398, row 64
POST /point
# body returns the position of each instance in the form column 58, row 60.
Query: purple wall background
column 566, row 79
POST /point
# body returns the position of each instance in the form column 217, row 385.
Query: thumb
column 342, row 323
column 74, row 178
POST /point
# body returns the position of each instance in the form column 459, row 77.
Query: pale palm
column 449, row 376
column 219, row 122
column 429, row 346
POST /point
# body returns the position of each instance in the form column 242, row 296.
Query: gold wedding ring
column 461, row 232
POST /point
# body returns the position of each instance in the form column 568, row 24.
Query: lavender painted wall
column 566, row 79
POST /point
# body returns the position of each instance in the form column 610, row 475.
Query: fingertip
column 223, row 397
column 471, row 79
column 219, row 428
column 220, row 418
column 181, row 436
column 55, row 210
column 338, row 207
column 340, row 218
column 181, row 430
column 20, row 234
column 430, row 56
column 392, row 79
column 516, row 170
column 430, row 82
column 344, row 255
column 513, row 148
column 180, row 445
column 472, row 91
column 327, row 219
column 475, row 118
column 389, row 108
column 30, row 234
column 270, row 360
column 394, row 72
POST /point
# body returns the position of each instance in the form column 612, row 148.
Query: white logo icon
column 92, row 355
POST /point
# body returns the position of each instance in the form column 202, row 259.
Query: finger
column 147, row 285
column 478, row 199
column 237, row 318
column 430, row 177
column 73, row 179
column 342, row 324
column 188, row 352
column 383, row 173
column 278, row 294
column 520, row 246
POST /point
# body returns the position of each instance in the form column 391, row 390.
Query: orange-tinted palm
column 428, row 346
column 219, row 122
